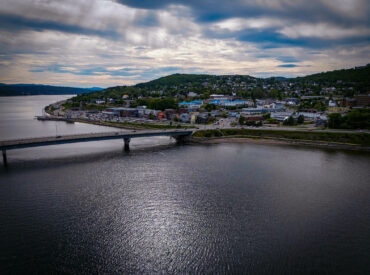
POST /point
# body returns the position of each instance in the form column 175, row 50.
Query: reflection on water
column 228, row 208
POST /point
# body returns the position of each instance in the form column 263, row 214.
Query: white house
column 192, row 94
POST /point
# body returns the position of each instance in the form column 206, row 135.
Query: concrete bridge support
column 127, row 144
column 5, row 161
column 182, row 139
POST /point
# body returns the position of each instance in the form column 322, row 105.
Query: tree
column 152, row 116
column 210, row 107
column 358, row 119
column 289, row 122
column 241, row 120
column 335, row 120
column 267, row 116
column 162, row 104
column 300, row 119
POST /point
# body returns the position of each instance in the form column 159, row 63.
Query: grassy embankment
column 133, row 125
column 362, row 139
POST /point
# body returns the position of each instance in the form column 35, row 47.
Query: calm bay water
column 161, row 208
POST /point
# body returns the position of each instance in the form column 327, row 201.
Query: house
column 218, row 97
column 170, row 113
column 141, row 110
column 277, row 105
column 184, row 117
column 161, row 115
column 332, row 103
column 151, row 113
column 202, row 118
column 292, row 101
column 191, row 94
column 111, row 100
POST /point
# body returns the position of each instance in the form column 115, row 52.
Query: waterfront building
column 281, row 116
column 122, row 112
column 196, row 104
column 363, row 100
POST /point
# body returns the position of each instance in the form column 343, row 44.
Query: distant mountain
column 279, row 78
column 36, row 89
column 94, row 89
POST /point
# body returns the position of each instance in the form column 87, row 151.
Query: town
column 211, row 102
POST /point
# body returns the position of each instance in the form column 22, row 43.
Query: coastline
column 248, row 139
column 241, row 138
column 280, row 141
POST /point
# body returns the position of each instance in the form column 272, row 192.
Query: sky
column 103, row 43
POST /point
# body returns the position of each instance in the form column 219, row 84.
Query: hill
column 358, row 77
column 176, row 80
column 34, row 89
column 194, row 80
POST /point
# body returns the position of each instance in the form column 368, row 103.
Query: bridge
column 5, row 145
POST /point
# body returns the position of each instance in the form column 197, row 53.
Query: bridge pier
column 127, row 144
column 5, row 161
column 181, row 139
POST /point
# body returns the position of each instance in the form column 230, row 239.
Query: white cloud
column 322, row 31
column 238, row 24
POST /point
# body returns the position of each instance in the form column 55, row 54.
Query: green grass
column 344, row 138
column 136, row 125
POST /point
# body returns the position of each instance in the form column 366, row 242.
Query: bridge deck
column 43, row 141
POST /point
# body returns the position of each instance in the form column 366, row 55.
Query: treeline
column 353, row 138
column 30, row 89
column 355, row 119
column 357, row 77
column 158, row 103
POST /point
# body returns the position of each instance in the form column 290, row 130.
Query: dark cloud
column 306, row 12
column 287, row 59
column 99, row 70
column 15, row 23
column 210, row 11
column 92, row 70
column 287, row 66
column 269, row 38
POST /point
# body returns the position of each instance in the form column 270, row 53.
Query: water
column 227, row 208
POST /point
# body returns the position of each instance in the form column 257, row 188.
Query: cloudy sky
column 86, row 43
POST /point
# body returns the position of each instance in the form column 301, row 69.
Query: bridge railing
column 61, row 134
column 124, row 131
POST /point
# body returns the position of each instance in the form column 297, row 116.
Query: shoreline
column 251, row 140
column 276, row 141
column 238, row 138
